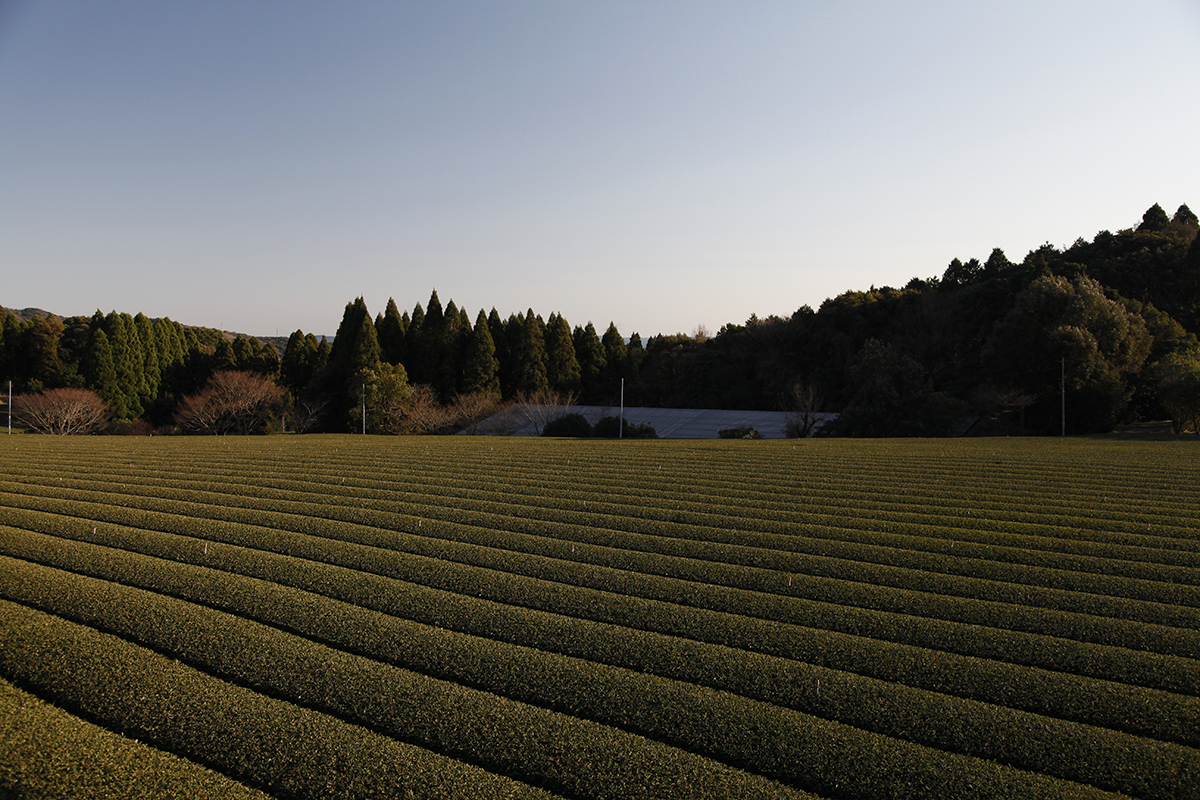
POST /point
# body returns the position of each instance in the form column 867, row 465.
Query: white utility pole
column 364, row 408
column 1064, row 396
column 621, row 429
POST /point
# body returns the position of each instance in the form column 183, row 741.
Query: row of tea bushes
column 962, row 726
column 267, row 743
column 719, row 724
column 1067, row 696
column 993, row 619
column 49, row 753
column 1118, row 661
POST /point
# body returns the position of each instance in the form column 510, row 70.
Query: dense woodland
column 1113, row 320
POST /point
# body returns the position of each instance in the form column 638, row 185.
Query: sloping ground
column 668, row 423
column 358, row 616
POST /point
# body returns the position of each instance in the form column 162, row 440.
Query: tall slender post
column 10, row 408
column 1064, row 396
column 364, row 408
column 621, row 429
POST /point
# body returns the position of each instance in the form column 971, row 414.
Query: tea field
column 457, row 617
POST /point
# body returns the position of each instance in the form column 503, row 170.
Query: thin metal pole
column 1064, row 396
column 621, row 429
column 10, row 408
column 364, row 408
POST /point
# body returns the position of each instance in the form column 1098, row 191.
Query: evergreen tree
column 346, row 338
column 366, row 353
column 298, row 365
column 224, row 358
column 391, row 329
column 996, row 264
column 364, row 362
column 101, row 374
column 151, row 371
column 355, row 348
column 244, row 352
column 529, row 355
column 592, row 360
column 168, row 342
column 562, row 368
column 1185, row 218
column 413, row 337
column 431, row 344
column 634, row 353
column 450, row 350
column 266, row 360
column 615, row 360
column 498, row 330
column 481, row 370
column 12, row 340
column 127, row 362
column 40, row 343
column 1155, row 219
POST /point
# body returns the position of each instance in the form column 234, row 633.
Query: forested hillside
column 1113, row 320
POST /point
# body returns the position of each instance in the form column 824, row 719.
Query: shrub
column 612, row 428
column 231, row 402
column 62, row 411
column 574, row 425
column 743, row 432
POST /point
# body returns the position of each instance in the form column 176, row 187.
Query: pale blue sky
column 256, row 164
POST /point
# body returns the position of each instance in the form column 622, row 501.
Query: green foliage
column 386, row 398
column 1178, row 379
column 1155, row 219
column 744, row 432
column 528, row 353
column 616, row 360
column 591, row 355
column 615, row 427
column 573, row 425
column 562, row 368
column 391, row 329
column 481, row 370
column 894, row 398
column 1103, row 343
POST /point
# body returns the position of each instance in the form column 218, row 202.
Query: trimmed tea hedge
column 606, row 619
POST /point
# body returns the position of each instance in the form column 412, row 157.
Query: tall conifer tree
column 562, row 368
column 590, row 353
column 615, row 359
column 413, row 343
column 391, row 329
column 481, row 370
column 101, row 373
column 529, row 355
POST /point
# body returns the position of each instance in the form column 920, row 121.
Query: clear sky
column 254, row 165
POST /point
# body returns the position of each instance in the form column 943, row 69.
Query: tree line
column 1106, row 328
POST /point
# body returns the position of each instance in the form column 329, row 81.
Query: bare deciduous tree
column 802, row 402
column 306, row 414
column 422, row 413
column 231, row 402
column 541, row 406
column 470, row 410
column 505, row 421
column 997, row 401
column 63, row 412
